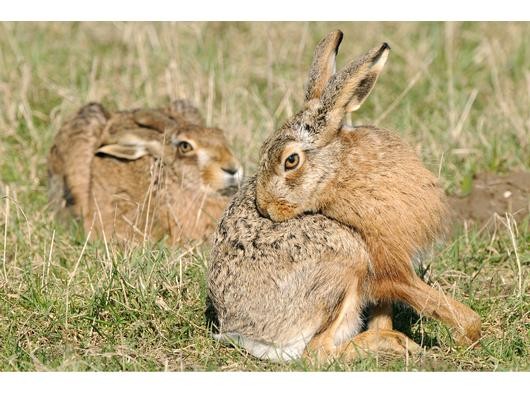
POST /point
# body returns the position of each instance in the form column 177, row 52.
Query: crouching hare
column 143, row 174
column 330, row 224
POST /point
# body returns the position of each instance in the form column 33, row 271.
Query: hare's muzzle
column 232, row 176
column 231, row 171
column 264, row 203
column 275, row 209
column 263, row 211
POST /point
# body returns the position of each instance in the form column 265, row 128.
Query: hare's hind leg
column 378, row 341
column 75, row 144
column 381, row 316
column 372, row 341
column 434, row 303
column 324, row 345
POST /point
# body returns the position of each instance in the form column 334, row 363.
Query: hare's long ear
column 348, row 89
column 153, row 119
column 323, row 65
column 182, row 108
column 128, row 152
column 131, row 146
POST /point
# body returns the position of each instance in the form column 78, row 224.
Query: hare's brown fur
column 124, row 176
column 364, row 177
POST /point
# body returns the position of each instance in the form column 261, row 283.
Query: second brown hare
column 329, row 225
column 143, row 174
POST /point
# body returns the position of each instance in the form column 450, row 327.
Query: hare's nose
column 232, row 175
column 262, row 210
column 231, row 170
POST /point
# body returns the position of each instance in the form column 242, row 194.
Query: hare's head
column 197, row 156
column 299, row 158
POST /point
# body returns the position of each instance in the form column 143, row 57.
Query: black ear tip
column 340, row 37
column 384, row 48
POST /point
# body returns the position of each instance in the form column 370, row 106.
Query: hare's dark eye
column 184, row 147
column 292, row 161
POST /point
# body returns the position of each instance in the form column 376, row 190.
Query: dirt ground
column 493, row 193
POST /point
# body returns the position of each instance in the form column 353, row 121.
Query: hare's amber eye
column 184, row 147
column 292, row 161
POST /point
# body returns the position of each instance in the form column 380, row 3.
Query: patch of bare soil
column 494, row 194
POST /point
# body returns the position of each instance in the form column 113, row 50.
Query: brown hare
column 329, row 224
column 364, row 177
column 143, row 174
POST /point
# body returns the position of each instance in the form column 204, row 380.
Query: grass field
column 459, row 92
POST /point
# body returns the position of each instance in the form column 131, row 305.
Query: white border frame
column 268, row 10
